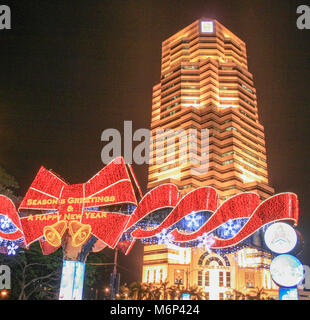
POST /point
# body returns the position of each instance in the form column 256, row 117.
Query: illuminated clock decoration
column 286, row 270
column 280, row 237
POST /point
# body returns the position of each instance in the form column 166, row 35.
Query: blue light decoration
column 230, row 228
column 164, row 237
column 7, row 246
column 233, row 249
column 71, row 286
column 288, row 294
column 190, row 223
column 5, row 223
column 192, row 220
column 206, row 241
column 186, row 296
column 12, row 249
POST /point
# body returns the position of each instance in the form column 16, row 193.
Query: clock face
column 280, row 237
column 286, row 270
column 207, row 26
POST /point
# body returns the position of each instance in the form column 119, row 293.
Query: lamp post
column 187, row 276
column 115, row 278
column 106, row 292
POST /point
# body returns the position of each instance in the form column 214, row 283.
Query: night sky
column 71, row 69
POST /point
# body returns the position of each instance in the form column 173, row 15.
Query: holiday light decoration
column 85, row 214
column 11, row 237
column 10, row 227
column 192, row 220
column 231, row 228
column 206, row 241
column 5, row 222
column 164, row 237
column 12, row 249
column 280, row 237
column 286, row 270
column 79, row 218
column 51, row 206
column 109, row 210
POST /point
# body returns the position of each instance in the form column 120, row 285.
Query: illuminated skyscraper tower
column 205, row 86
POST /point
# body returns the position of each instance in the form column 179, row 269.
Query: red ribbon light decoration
column 52, row 203
column 202, row 199
column 282, row 206
column 240, row 206
column 279, row 207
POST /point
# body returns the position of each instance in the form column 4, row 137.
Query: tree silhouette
column 8, row 186
column 257, row 294
column 138, row 291
column 34, row 275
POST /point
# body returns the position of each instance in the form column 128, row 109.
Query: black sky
column 70, row 69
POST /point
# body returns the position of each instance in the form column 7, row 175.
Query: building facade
column 206, row 132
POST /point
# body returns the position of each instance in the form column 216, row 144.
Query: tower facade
column 206, row 132
column 205, row 86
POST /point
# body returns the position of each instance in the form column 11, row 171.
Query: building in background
column 206, row 94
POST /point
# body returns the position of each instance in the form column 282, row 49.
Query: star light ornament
column 164, row 237
column 192, row 220
column 231, row 228
column 12, row 249
column 206, row 241
column 5, row 222
column 7, row 226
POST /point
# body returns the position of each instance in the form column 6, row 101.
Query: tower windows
column 199, row 278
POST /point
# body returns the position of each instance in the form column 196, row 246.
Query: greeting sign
column 51, row 206
column 99, row 208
